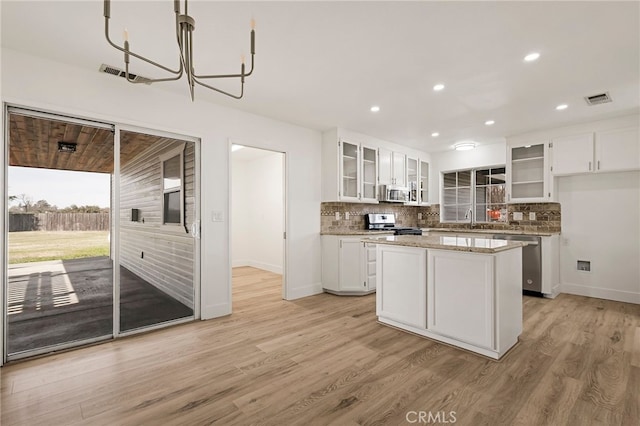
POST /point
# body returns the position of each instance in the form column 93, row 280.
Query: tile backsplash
column 547, row 217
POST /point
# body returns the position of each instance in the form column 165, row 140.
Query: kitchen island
column 464, row 291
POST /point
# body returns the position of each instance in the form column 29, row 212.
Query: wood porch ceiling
column 33, row 142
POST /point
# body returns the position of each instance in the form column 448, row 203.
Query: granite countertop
column 468, row 244
column 489, row 231
column 356, row 232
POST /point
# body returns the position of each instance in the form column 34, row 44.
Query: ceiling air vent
column 601, row 98
column 108, row 69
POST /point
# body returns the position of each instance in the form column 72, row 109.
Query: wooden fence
column 58, row 222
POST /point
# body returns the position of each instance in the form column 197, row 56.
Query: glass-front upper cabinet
column 358, row 172
column 527, row 173
column 350, row 165
column 413, row 180
column 369, row 174
column 424, row 182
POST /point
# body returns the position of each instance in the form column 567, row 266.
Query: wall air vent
column 601, row 98
column 108, row 69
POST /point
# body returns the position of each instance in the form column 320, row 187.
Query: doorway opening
column 258, row 224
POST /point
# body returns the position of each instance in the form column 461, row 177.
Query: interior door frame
column 285, row 215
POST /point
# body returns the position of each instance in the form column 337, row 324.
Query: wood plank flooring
column 324, row 360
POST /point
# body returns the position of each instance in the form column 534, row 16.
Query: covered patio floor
column 63, row 301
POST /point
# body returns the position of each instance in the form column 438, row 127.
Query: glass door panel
column 157, row 248
column 60, row 267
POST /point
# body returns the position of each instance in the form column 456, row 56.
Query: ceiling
column 324, row 64
column 33, row 142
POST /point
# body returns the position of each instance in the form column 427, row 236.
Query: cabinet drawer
column 371, row 253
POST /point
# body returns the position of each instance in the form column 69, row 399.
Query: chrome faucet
column 469, row 215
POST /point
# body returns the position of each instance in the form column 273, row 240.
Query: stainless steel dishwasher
column 531, row 261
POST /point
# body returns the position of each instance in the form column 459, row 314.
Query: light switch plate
column 216, row 216
column 337, row 215
column 517, row 215
column 419, row 216
column 532, row 215
column 346, row 215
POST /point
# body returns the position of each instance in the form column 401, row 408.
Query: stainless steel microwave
column 394, row 194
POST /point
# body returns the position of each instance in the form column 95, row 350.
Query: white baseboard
column 300, row 292
column 276, row 269
column 601, row 293
column 215, row 311
column 239, row 263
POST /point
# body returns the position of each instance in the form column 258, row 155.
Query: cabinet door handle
column 589, row 165
column 598, row 164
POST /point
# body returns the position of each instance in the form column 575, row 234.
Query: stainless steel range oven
column 387, row 222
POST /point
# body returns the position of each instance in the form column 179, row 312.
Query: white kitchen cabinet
column 369, row 265
column 461, row 295
column 618, row 150
column 424, row 182
column 402, row 298
column 572, row 154
column 348, row 267
column 606, row 151
column 349, row 170
column 392, row 167
column 528, row 179
column 413, row 180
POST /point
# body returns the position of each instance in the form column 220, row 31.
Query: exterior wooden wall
column 19, row 222
column 161, row 254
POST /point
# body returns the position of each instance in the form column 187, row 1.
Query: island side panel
column 460, row 296
column 402, row 284
column 508, row 298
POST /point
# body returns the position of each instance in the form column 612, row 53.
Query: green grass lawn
column 36, row 246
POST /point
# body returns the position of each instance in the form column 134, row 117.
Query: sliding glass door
column 59, row 276
column 102, row 232
column 158, row 220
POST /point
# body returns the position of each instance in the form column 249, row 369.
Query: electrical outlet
column 584, row 265
column 337, row 215
column 532, row 216
column 419, row 216
column 517, row 215
column 565, row 242
column 346, row 215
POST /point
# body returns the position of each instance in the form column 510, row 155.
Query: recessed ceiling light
column 489, row 122
column 438, row 87
column 435, row 134
column 464, row 146
column 562, row 106
column 236, row 147
column 532, row 57
column 375, row 108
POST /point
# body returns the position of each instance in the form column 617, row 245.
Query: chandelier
column 185, row 25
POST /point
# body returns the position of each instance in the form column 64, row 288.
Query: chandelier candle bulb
column 125, row 35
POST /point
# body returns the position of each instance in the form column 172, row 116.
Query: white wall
column 484, row 155
column 601, row 224
column 39, row 83
column 240, row 252
column 257, row 213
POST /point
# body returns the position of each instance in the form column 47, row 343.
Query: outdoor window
column 173, row 195
column 480, row 190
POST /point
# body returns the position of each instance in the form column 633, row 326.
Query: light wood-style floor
column 324, row 360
